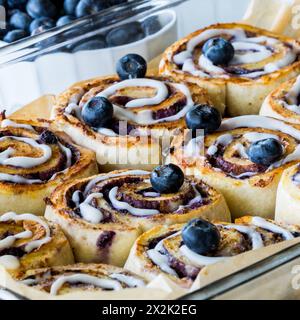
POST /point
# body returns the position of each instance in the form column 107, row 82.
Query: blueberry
column 219, row 51
column 94, row 44
column 151, row 25
column 97, row 112
column 265, row 152
column 70, row 6
column 88, row 7
column 201, row 236
column 41, row 8
column 20, row 20
column 131, row 66
column 125, row 34
column 62, row 21
column 203, row 117
column 14, row 35
column 45, row 23
column 16, row 4
column 167, row 179
column 48, row 137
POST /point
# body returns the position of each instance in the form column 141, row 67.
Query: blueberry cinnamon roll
column 102, row 216
column 28, row 241
column 123, row 119
column 34, row 159
column 83, row 279
column 284, row 102
column 239, row 65
column 288, row 200
column 181, row 252
column 244, row 160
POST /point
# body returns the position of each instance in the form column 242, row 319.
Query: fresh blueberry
column 88, row 7
column 94, row 44
column 20, row 20
column 125, row 34
column 16, row 4
column 41, row 8
column 97, row 112
column 265, row 152
column 203, row 117
column 14, row 35
column 131, row 66
column 70, row 6
column 167, row 179
column 151, row 25
column 48, row 137
column 219, row 51
column 45, row 23
column 62, row 21
column 201, row 236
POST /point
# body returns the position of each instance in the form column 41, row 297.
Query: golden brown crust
column 53, row 253
column 225, row 172
column 232, row 92
column 20, row 197
column 123, row 226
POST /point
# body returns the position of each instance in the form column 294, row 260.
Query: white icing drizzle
column 107, row 132
column 264, row 224
column 25, row 162
column 199, row 260
column 224, row 140
column 259, row 136
column 247, row 50
column 12, row 262
column 161, row 261
column 84, row 279
column 68, row 154
column 161, row 91
column 32, row 245
column 90, row 213
column 17, row 179
column 194, row 147
column 151, row 194
column 9, row 123
column 9, row 262
column 120, row 205
column 76, row 197
column 98, row 179
column 130, row 281
column 256, row 239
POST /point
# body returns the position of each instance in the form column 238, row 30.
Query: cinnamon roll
column 28, row 241
column 33, row 161
column 243, row 160
column 144, row 110
column 283, row 103
column 239, row 65
column 288, row 200
column 81, row 279
column 102, row 216
column 180, row 252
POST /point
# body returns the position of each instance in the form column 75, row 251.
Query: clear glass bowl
column 47, row 63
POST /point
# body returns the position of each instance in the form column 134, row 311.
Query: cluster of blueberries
column 31, row 17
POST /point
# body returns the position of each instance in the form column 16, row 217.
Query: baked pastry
column 243, row 160
column 180, row 252
column 33, row 161
column 144, row 111
column 107, row 212
column 288, row 200
column 80, row 279
column 28, row 242
column 283, row 103
column 238, row 64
